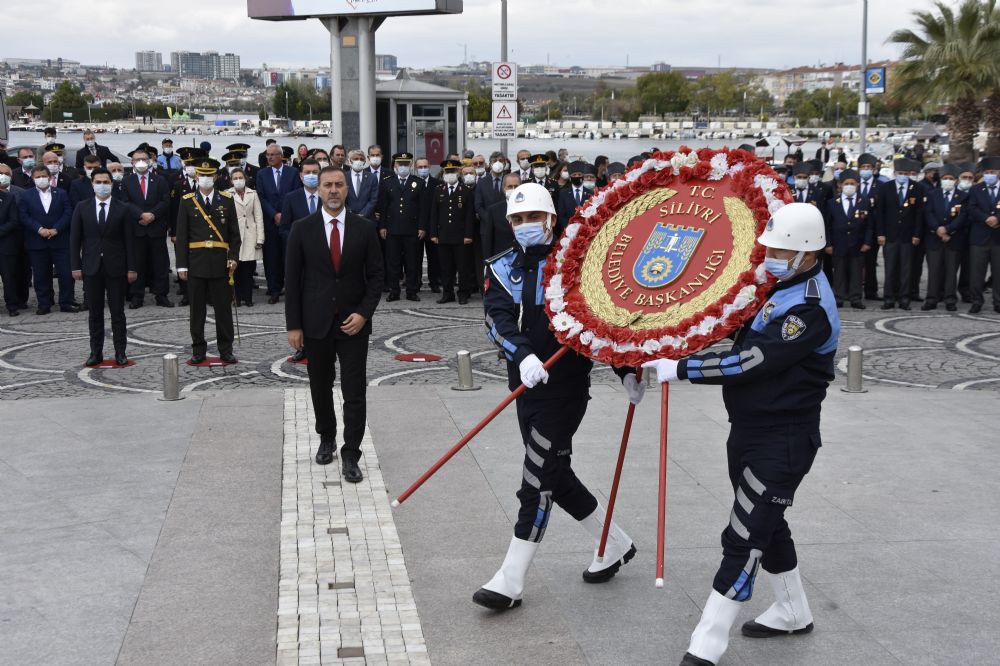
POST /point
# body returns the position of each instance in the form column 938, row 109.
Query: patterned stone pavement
column 43, row 356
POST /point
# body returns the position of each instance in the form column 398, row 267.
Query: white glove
column 634, row 388
column 532, row 372
column 666, row 369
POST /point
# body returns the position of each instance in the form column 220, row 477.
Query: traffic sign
column 504, row 81
column 504, row 120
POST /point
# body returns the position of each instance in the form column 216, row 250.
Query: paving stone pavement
column 42, row 356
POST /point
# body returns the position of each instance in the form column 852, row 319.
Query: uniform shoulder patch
column 495, row 257
column 792, row 328
column 768, row 309
column 226, row 194
column 189, row 195
column 812, row 288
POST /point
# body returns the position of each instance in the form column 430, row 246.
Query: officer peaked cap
column 952, row 170
column 990, row 163
column 849, row 174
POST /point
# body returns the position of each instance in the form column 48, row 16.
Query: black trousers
column 983, row 258
column 403, row 251
column 243, row 281
column 95, row 287
column 766, row 466
column 942, row 274
column 916, row 270
column 456, row 258
column 870, row 277
column 547, row 429
column 200, row 292
column 10, row 275
column 275, row 245
column 428, row 248
column 898, row 262
column 42, row 263
column 847, row 275
column 352, row 352
column 152, row 263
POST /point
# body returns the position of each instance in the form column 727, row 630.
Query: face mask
column 919, row 177
column 589, row 184
column 239, row 184
column 323, row 164
column 450, row 178
column 530, row 233
column 189, row 171
column 469, row 179
column 117, row 176
column 42, row 183
column 849, row 190
column 375, row 161
column 89, row 172
column 497, row 167
column 357, row 165
column 576, row 180
column 782, row 268
column 28, row 162
column 480, row 171
column 813, row 179
column 866, row 174
column 965, row 184
column 801, row 183
column 53, row 168
column 524, row 164
column 167, row 152
column 91, row 143
column 141, row 166
column 902, row 179
column 4, row 180
column 836, row 173
column 311, row 180
column 564, row 175
column 990, row 179
column 206, row 182
column 947, row 185
column 103, row 190
column 539, row 172
column 423, row 172
column 402, row 171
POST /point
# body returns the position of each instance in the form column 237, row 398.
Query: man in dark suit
column 304, row 201
column 899, row 228
column 208, row 249
column 489, row 190
column 21, row 177
column 334, row 284
column 101, row 255
column 375, row 163
column 402, row 223
column 273, row 184
column 805, row 191
column 45, row 216
column 496, row 232
column 81, row 188
column 149, row 196
column 91, row 147
column 452, row 229
column 362, row 187
column 426, row 247
column 59, row 176
column 984, row 234
column 262, row 156
column 848, row 237
column 945, row 238
column 575, row 194
column 868, row 187
column 11, row 243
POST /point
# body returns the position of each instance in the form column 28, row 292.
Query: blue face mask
column 866, row 174
column 990, row 179
column 836, row 173
column 28, row 162
column 902, row 179
column 779, row 268
column 311, row 180
column 530, row 233
column 423, row 173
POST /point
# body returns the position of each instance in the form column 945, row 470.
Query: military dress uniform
column 849, row 234
column 551, row 186
column 899, row 221
column 944, row 256
column 208, row 237
column 868, row 189
column 452, row 225
column 403, row 211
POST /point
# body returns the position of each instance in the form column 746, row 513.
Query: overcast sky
column 757, row 33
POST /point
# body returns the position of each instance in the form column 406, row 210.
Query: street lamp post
column 310, row 113
column 838, row 114
column 863, row 104
column 503, row 54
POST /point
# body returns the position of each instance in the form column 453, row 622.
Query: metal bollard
column 855, row 359
column 465, row 382
column 171, row 380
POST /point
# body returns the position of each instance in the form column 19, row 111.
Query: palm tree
column 952, row 59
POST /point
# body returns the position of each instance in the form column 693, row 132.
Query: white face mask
column 358, row 165
column 589, row 184
column 239, row 184
column 90, row 143
column 965, row 184
column 849, row 190
column 497, row 167
column 323, row 164
column 103, row 190
column 89, row 172
column 4, row 180
column 189, row 171
column 469, row 179
column 376, row 161
column 141, row 166
column 450, row 178
column 117, row 176
column 403, row 171
column 167, row 152
column 206, row 182
column 801, row 183
column 42, row 183
column 53, row 168
column 564, row 175
column 539, row 172
column 813, row 179
column 480, row 171
column 919, row 177
column 947, row 185
column 524, row 164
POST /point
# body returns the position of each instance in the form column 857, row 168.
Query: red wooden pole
column 472, row 433
column 618, row 474
column 662, row 513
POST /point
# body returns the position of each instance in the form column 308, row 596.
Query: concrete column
column 366, row 82
column 336, row 104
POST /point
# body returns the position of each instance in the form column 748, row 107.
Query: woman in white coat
column 251, row 221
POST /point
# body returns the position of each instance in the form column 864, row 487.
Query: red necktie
column 335, row 247
column 142, row 185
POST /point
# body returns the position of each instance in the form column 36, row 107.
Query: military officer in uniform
column 232, row 160
column 849, row 235
column 249, row 170
column 899, row 228
column 208, row 248
column 402, row 223
column 185, row 183
column 539, row 174
column 945, row 235
column 452, row 228
column 868, row 191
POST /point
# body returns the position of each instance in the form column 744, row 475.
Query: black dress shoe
column 975, row 309
column 299, row 356
column 227, row 357
column 164, row 302
column 22, row 306
column 197, row 358
column 435, row 289
column 94, row 359
column 951, row 307
column 413, row 297
column 45, row 311
column 69, row 308
column 185, row 301
column 463, row 300
column 392, row 297
column 904, row 306
column 858, row 305
column 887, row 306
column 445, row 298
column 327, row 450
column 271, row 300
column 134, row 305
column 494, row 600
column 13, row 313
column 121, row 358
column 754, row 630
column 928, row 305
column 249, row 304
column 350, row 470
column 691, row 660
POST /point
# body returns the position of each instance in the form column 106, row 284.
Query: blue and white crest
column 665, row 255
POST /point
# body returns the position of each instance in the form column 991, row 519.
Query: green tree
column 67, row 96
column 663, row 92
column 951, row 59
column 26, row 98
column 549, row 110
column 717, row 93
column 301, row 95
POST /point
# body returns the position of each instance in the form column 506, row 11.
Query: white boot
column 711, row 636
column 618, row 551
column 789, row 614
column 505, row 588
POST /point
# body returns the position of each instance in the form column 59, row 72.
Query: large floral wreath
column 753, row 181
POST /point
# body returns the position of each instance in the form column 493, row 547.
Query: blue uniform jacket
column 980, row 207
column 847, row 233
column 954, row 218
column 779, row 367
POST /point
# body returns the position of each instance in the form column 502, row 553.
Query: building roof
column 404, row 86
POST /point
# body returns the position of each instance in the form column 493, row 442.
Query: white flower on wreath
column 562, row 322
column 683, row 160
column 720, row 165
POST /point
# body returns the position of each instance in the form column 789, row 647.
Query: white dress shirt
column 46, row 197
column 97, row 208
column 328, row 222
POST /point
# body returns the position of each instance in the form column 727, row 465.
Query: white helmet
column 795, row 226
column 530, row 197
